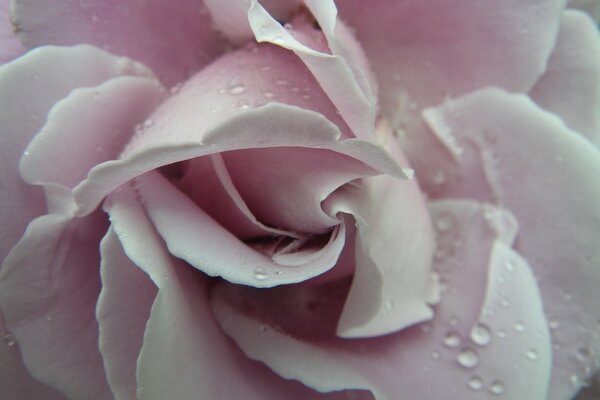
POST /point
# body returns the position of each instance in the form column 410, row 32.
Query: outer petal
column 175, row 40
column 15, row 380
column 122, row 312
column 530, row 158
column 48, row 290
column 476, row 347
column 413, row 60
column 185, row 355
column 570, row 87
column 10, row 47
column 30, row 86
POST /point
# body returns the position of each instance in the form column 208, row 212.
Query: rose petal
column 392, row 283
column 182, row 341
column 570, row 87
column 122, row 312
column 48, row 290
column 15, row 380
column 109, row 112
column 30, row 86
column 10, row 47
column 183, row 225
column 406, row 362
column 412, row 60
column 530, row 159
column 273, row 125
column 155, row 33
column 345, row 82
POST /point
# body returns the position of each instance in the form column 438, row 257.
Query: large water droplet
column 260, row 273
column 475, row 383
column 497, row 387
column 468, row 358
column 481, row 334
column 452, row 339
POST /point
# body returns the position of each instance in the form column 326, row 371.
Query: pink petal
column 109, row 112
column 10, row 47
column 273, row 125
column 15, row 380
column 547, row 175
column 340, row 74
column 122, row 312
column 285, row 186
column 473, row 45
column 30, row 86
column 220, row 199
column 183, row 225
column 570, row 87
column 392, row 283
column 48, row 290
column 175, row 40
column 508, row 355
column 184, row 352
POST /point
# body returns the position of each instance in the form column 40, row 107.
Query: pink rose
column 215, row 199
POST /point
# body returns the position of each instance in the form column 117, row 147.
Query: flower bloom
column 299, row 199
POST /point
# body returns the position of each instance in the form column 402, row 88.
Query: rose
column 489, row 320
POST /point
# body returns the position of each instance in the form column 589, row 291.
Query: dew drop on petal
column 468, row 358
column 475, row 383
column 444, row 222
column 260, row 273
column 497, row 387
column 452, row 339
column 481, row 334
column 519, row 326
column 8, row 340
column 532, row 354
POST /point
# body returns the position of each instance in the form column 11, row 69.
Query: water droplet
column 519, row 326
column 475, row 383
column 509, row 265
column 281, row 82
column 388, row 306
column 8, row 340
column 444, row 222
column 48, row 317
column 452, row 339
column 532, row 354
column 268, row 93
column 264, row 327
column 504, row 302
column 148, row 124
column 481, row 334
column 501, row 334
column 236, row 88
column 305, row 96
column 26, row 153
column 260, row 273
column 176, row 88
column 454, row 321
column 439, row 178
column 554, row 324
column 497, row 387
column 265, row 68
column 435, row 355
column 295, row 89
column 242, row 104
column 468, row 358
column 583, row 353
